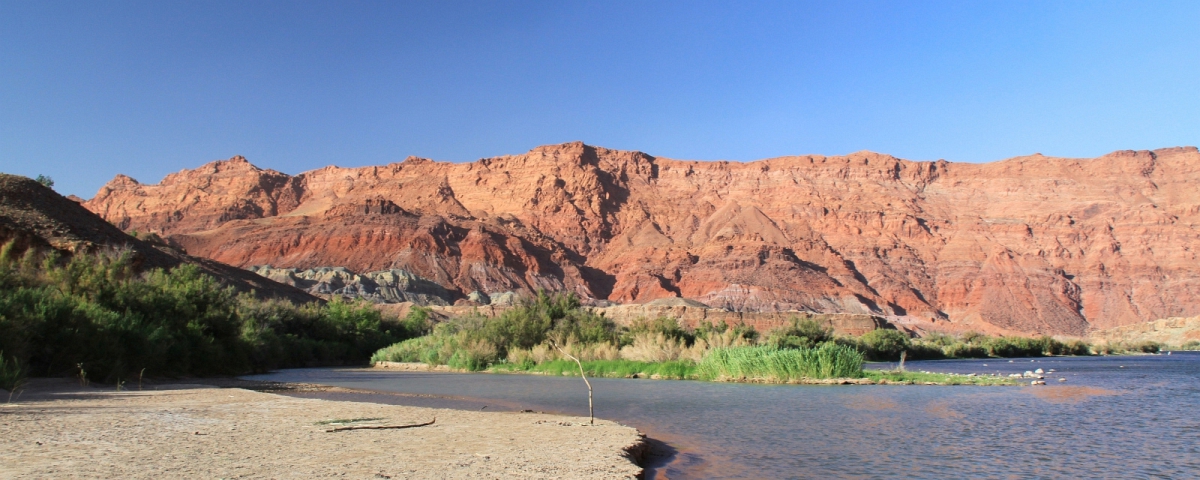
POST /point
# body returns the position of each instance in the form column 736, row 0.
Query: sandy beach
column 58, row 429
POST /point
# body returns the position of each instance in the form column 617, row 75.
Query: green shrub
column 416, row 323
column 800, row 333
column 707, row 331
column 474, row 342
column 668, row 326
column 964, row 350
column 925, row 351
column 96, row 310
column 884, row 344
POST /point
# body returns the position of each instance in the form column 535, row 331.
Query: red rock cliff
column 1031, row 244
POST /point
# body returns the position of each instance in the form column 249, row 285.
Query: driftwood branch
column 591, row 413
column 382, row 427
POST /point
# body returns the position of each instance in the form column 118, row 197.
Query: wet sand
column 58, row 429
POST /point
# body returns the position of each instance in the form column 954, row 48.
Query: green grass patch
column 781, row 365
column 675, row 370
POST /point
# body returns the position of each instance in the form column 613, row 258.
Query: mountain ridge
column 1034, row 244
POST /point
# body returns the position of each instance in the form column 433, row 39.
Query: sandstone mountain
column 1030, row 244
column 33, row 216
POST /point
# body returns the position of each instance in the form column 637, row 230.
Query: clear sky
column 92, row 89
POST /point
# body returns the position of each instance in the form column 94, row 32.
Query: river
column 1116, row 416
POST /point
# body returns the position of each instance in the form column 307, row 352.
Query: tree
column 46, row 181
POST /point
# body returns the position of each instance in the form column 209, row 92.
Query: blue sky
column 92, row 89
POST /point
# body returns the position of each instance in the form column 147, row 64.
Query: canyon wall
column 1030, row 244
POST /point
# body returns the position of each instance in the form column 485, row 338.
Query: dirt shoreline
column 967, row 380
column 236, row 428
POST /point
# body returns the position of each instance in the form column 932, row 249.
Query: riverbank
column 58, row 429
column 598, row 370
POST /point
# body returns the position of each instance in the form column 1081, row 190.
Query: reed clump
column 12, row 374
column 781, row 365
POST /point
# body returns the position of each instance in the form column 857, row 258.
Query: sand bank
column 58, row 429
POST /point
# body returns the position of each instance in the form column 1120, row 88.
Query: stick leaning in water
column 591, row 414
column 382, row 427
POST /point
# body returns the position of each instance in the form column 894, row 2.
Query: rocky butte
column 1030, row 244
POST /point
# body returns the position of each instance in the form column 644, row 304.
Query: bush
column 964, row 350
column 97, row 311
column 668, row 327
column 884, row 344
column 800, row 333
column 475, row 342
column 925, row 351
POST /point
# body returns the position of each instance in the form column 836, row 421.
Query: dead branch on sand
column 591, row 414
column 382, row 427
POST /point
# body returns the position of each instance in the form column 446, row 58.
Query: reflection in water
column 1104, row 421
column 1072, row 394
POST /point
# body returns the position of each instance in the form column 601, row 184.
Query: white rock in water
column 1038, row 371
column 1028, row 373
column 1062, row 379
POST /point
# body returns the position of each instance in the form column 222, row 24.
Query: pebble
column 1038, row 371
column 1062, row 379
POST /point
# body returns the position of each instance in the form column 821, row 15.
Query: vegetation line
column 95, row 317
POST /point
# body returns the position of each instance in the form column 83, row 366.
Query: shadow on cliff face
column 600, row 282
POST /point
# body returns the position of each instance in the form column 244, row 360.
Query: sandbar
column 57, row 428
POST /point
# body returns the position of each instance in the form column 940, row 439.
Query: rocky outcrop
column 1172, row 332
column 35, row 217
column 1030, row 244
column 390, row 286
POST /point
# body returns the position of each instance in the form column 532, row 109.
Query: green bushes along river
column 94, row 316
column 524, row 339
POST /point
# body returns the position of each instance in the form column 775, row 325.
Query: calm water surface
column 1114, row 417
